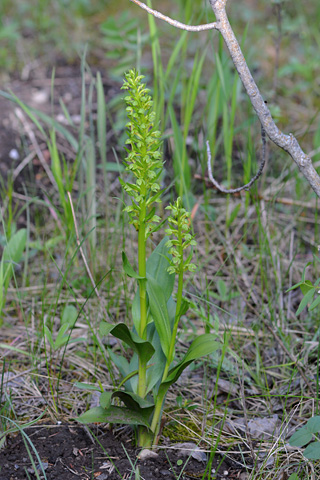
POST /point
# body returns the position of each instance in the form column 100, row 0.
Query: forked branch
column 287, row 142
column 247, row 185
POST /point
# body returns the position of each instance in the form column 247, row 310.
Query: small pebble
column 14, row 154
column 165, row 472
column 146, row 453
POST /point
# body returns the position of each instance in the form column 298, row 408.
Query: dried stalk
column 287, row 142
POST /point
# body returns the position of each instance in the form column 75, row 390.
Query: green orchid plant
column 153, row 365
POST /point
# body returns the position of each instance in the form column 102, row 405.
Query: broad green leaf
column 157, row 265
column 69, row 315
column 201, row 346
column 135, row 403
column 300, row 438
column 105, row 399
column 120, row 362
column 155, row 372
column 113, row 415
column 128, row 268
column 159, row 311
column 313, row 424
column 14, row 249
column 306, row 286
column 312, row 452
column 306, row 299
column 105, row 328
column 141, row 347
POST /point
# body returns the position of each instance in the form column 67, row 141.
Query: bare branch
column 248, row 185
column 287, row 142
column 175, row 23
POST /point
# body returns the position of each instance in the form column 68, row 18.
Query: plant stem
column 155, row 425
column 143, row 295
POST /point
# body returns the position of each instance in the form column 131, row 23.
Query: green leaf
column 143, row 348
column 306, row 299
column 159, row 311
column 184, row 307
column 128, row 268
column 201, row 346
column 113, row 415
column 315, row 303
column 105, row 399
column 294, row 476
column 135, row 403
column 120, row 362
column 69, row 315
column 13, row 250
column 300, row 438
column 49, row 336
column 312, row 452
column 105, row 328
column 61, row 338
column 306, row 286
column 313, row 424
column 157, row 265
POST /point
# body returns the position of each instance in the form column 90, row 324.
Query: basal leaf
column 105, row 399
column 159, row 311
column 300, row 438
column 14, row 249
column 135, row 403
column 313, row 424
column 120, row 362
column 105, row 328
column 312, row 452
column 69, row 315
column 113, row 414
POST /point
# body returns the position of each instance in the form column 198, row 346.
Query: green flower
column 144, row 157
column 179, row 228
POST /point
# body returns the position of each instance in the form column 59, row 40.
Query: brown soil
column 68, row 452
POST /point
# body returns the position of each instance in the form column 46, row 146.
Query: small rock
column 191, row 449
column 103, row 476
column 165, row 472
column 146, row 453
column 40, row 96
column 14, row 154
